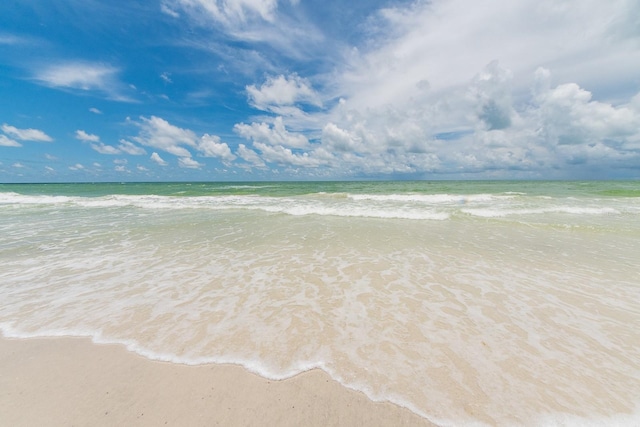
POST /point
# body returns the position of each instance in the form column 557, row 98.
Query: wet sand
column 71, row 381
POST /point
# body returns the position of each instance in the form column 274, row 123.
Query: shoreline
column 73, row 381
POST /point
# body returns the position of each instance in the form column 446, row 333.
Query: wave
column 296, row 206
column 431, row 198
column 399, row 206
column 573, row 210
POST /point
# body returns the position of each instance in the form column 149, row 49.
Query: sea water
column 477, row 303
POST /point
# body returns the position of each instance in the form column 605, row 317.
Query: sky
column 236, row 90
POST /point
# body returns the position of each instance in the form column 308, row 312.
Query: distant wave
column 496, row 213
column 431, row 198
column 411, row 206
column 286, row 205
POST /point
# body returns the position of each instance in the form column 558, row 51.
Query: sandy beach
column 71, row 381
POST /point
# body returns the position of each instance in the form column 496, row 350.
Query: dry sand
column 71, row 381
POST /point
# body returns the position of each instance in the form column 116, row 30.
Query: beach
column 70, row 381
column 455, row 303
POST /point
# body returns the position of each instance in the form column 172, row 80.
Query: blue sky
column 163, row 90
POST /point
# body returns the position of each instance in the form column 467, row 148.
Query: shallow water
column 499, row 303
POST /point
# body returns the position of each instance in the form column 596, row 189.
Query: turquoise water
column 498, row 303
column 532, row 188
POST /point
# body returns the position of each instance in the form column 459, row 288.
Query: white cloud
column 272, row 135
column 446, row 42
column 130, row 148
column 78, row 76
column 18, row 165
column 76, row 167
column 341, row 140
column 158, row 133
column 477, row 128
column 164, row 8
column 86, row 137
column 26, row 134
column 141, row 168
column 104, row 148
column 121, row 168
column 188, row 162
column 284, row 156
column 278, row 92
column 8, row 142
column 156, row 158
column 253, row 21
column 211, row 146
column 95, row 110
column 84, row 76
column 250, row 156
column 228, row 12
column 166, row 77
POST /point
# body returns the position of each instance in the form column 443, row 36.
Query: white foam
column 15, row 198
column 631, row 419
column 431, row 198
column 497, row 213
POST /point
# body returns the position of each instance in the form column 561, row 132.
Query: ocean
column 469, row 303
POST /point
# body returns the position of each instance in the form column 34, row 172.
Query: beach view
column 498, row 303
column 320, row 213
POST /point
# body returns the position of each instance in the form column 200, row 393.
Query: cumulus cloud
column 188, row 162
column 104, row 148
column 279, row 94
column 491, row 89
column 8, row 142
column 155, row 157
column 273, row 135
column 86, row 137
column 421, row 98
column 285, row 157
column 250, row 156
column 477, row 129
column 130, row 148
column 125, row 146
column 160, row 134
column 76, row 167
column 524, row 35
column 211, row 146
column 95, row 110
column 26, row 134
column 340, row 140
column 570, row 116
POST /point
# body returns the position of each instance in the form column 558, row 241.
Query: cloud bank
column 381, row 89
